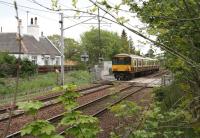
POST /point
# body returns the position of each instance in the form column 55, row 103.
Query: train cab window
column 121, row 61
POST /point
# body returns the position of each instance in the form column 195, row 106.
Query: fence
column 25, row 95
column 166, row 80
column 45, row 69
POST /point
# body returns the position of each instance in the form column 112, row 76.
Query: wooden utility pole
column 13, row 104
column 62, row 50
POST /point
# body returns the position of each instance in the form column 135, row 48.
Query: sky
column 49, row 20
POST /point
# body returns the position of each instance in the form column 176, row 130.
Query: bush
column 172, row 95
column 8, row 66
column 27, row 68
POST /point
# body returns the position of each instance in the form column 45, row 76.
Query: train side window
column 139, row 63
column 135, row 63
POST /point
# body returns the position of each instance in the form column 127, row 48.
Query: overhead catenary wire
column 170, row 50
column 79, row 23
column 27, row 7
column 23, row 10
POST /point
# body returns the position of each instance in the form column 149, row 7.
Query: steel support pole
column 99, row 33
column 62, row 50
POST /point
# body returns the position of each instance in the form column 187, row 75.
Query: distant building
column 38, row 49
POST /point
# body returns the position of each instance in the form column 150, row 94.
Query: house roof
column 30, row 45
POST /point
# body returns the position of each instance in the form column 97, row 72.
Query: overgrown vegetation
column 8, row 66
column 7, row 85
column 76, row 124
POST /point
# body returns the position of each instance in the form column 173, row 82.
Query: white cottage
column 38, row 49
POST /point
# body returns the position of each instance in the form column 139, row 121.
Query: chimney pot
column 42, row 34
column 1, row 29
column 35, row 20
column 31, row 21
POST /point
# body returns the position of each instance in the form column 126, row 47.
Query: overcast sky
column 49, row 21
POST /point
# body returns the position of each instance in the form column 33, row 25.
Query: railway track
column 123, row 94
column 52, row 100
column 89, row 109
column 56, row 118
column 51, row 97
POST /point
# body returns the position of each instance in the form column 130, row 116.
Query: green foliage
column 172, row 95
column 171, row 124
column 113, row 135
column 30, row 107
column 41, row 129
column 7, row 85
column 110, row 44
column 69, row 97
column 27, row 68
column 73, row 49
column 125, row 109
column 74, row 2
column 168, row 21
column 80, row 126
column 8, row 66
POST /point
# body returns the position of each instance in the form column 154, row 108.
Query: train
column 128, row 66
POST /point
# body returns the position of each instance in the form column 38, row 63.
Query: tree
column 125, row 43
column 131, row 46
column 111, row 44
column 8, row 66
column 73, row 49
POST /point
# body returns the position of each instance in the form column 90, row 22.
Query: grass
column 40, row 81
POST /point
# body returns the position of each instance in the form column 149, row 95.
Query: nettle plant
column 152, row 123
column 77, row 124
column 125, row 111
column 38, row 128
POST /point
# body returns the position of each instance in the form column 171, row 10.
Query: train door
column 136, row 65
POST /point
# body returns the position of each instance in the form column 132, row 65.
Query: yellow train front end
column 121, row 67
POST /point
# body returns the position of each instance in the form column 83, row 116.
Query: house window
column 46, row 61
column 57, row 61
column 34, row 59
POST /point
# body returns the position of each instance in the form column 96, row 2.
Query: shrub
column 27, row 68
column 8, row 66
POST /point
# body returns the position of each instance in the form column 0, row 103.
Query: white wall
column 106, row 66
column 33, row 30
column 40, row 58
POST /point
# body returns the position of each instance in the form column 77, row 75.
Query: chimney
column 1, row 29
column 35, row 20
column 31, row 21
column 33, row 29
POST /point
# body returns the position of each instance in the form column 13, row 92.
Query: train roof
column 134, row 56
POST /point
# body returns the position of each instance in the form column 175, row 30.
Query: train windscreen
column 121, row 61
